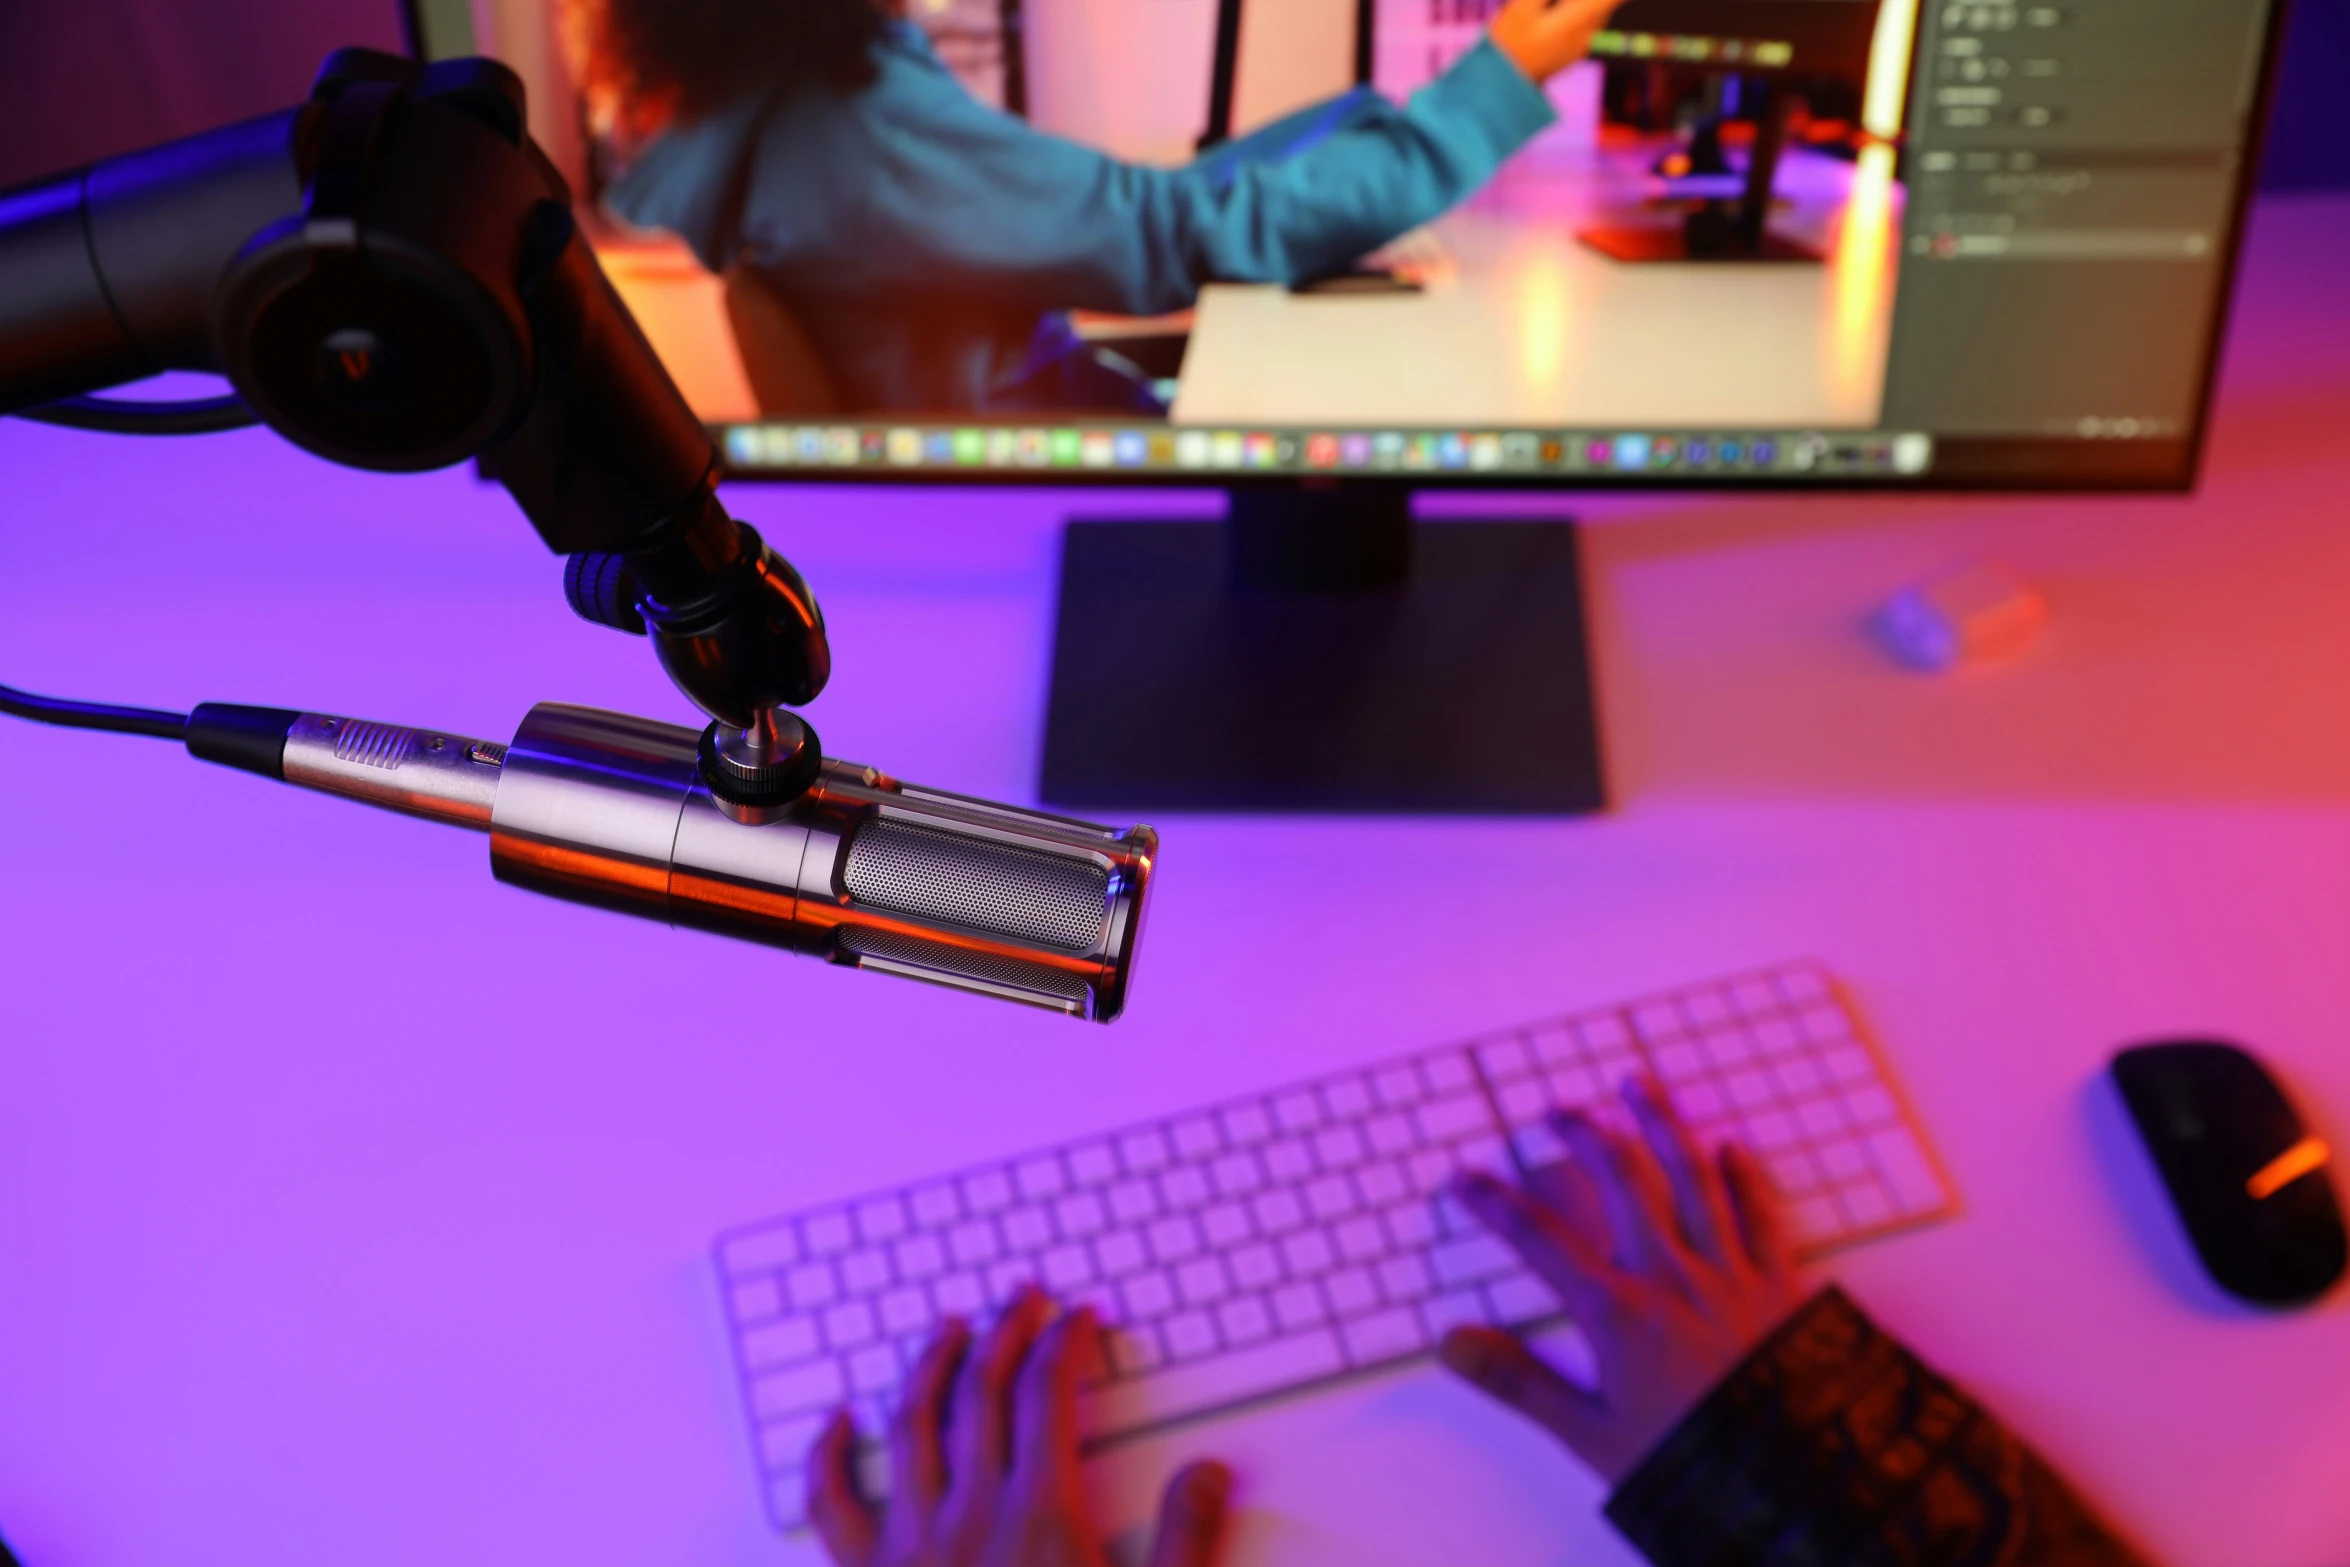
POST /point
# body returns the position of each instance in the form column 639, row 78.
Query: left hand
column 984, row 1464
column 1674, row 1265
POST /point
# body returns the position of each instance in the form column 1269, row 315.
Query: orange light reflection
column 1862, row 307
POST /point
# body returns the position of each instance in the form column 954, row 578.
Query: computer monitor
column 2016, row 223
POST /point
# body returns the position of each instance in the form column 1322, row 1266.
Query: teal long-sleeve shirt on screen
column 922, row 238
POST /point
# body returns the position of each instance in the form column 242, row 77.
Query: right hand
column 1675, row 1265
column 1544, row 37
column 984, row 1461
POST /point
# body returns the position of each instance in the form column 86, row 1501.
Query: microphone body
column 611, row 810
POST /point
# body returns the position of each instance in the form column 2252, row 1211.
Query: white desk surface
column 1533, row 327
column 356, row 1209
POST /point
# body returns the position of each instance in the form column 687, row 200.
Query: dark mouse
column 2247, row 1175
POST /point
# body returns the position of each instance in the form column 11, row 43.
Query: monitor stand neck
column 1318, row 651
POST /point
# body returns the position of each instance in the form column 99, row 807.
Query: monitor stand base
column 1642, row 243
column 1320, row 653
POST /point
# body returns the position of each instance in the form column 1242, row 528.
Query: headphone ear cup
column 382, row 355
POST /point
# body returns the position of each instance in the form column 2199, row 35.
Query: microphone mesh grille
column 1005, row 889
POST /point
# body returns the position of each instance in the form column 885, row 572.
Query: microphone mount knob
column 772, row 762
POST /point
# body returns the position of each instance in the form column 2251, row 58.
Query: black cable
column 93, row 715
column 128, row 416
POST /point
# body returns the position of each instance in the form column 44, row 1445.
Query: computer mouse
column 2249, row 1178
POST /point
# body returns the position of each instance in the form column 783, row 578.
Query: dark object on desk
column 1364, row 281
column 2245, row 1172
column 1719, row 230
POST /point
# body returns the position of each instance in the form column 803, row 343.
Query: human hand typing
column 1544, row 37
column 984, row 1465
column 1673, row 1264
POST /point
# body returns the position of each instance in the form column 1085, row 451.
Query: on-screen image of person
column 931, row 246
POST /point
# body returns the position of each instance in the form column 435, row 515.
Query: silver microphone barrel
column 608, row 809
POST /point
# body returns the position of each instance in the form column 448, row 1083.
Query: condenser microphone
column 612, row 810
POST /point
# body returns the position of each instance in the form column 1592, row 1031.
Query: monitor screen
column 1946, row 243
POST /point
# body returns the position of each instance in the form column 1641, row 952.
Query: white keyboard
column 1262, row 1246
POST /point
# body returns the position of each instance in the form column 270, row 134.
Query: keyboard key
column 1278, row 1211
column 1440, row 1314
column 1027, row 1229
column 960, row 1295
column 1872, row 1105
column 990, row 1191
column 1225, row 1225
column 792, row 1339
column 1756, row 997
column 1291, row 1159
column 1307, row 1253
column 1903, row 1162
column 1537, row 1146
column 1489, row 1154
column 1396, row 1086
column 1705, row 1008
column 919, row 1257
column 1093, row 1164
column 1657, row 1020
column 1347, row 1099
column 1820, row 1117
column 883, row 1219
column 1064, row 1268
column 1384, row 1335
column 1244, row 1321
column 1255, row 1267
column 848, row 1324
column 873, row 1369
column 1147, row 1296
column 903, row 1311
column 1339, row 1148
column 1519, row 1298
column 1411, row 1226
column 1604, row 1034
column 1330, row 1197
column 1236, row 1175
column 1174, row 1239
column 1504, row 1059
column 1572, row 1087
column 863, row 1272
column 1080, row 1215
column 1120, row 1252
column 1195, row 1138
column 1189, row 1335
column 1678, row 1062
column 1849, row 1064
column 763, row 1251
column 1731, row 1046
column 1299, row 1112
column 1351, row 1292
column 1470, row 1259
column 827, row 1234
column 1449, row 1072
column 1247, row 1125
column 1389, row 1135
column 813, row 1384
column 1554, row 1044
column 972, row 1244
column 1185, row 1186
column 1298, row 1306
column 1039, row 1179
column 1405, row 1278
column 1131, row 1202
column 1769, row 1131
column 1202, row 1282
column 1776, row 1036
column 810, row 1285
column 935, row 1206
column 1865, row 1204
column 1383, row 1185
column 1143, row 1152
column 1360, row 1239
column 1442, row 1120
column 1698, row 1103
column 755, row 1300
column 1844, row 1159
